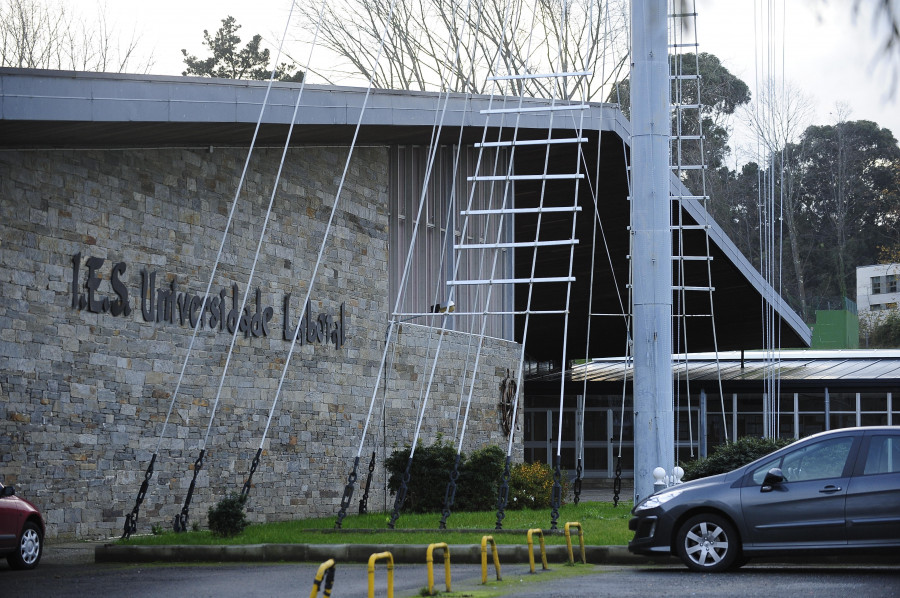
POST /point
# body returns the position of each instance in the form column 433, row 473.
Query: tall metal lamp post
column 652, row 244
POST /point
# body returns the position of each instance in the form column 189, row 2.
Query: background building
column 876, row 288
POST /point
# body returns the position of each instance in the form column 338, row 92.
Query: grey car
column 835, row 491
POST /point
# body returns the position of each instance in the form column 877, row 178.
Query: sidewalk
column 77, row 553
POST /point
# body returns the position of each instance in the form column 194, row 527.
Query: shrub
column 479, row 480
column 880, row 329
column 476, row 487
column 428, row 475
column 732, row 455
column 227, row 517
column 531, row 485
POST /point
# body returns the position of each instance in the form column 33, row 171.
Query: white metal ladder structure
column 688, row 162
column 490, row 249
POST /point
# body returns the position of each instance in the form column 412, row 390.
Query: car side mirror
column 8, row 491
column 773, row 477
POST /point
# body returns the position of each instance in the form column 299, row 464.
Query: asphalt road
column 64, row 579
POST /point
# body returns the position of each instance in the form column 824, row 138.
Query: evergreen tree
column 230, row 62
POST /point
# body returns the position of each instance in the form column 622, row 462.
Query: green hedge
column 732, row 455
column 477, row 487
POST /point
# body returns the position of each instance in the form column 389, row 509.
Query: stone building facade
column 115, row 190
column 105, row 255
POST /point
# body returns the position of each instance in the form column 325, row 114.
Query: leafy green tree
column 880, row 330
column 889, row 254
column 230, row 62
column 848, row 191
column 837, row 190
column 720, row 93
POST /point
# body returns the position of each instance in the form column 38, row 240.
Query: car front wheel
column 28, row 551
column 708, row 542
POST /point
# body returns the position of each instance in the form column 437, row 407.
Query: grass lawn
column 603, row 525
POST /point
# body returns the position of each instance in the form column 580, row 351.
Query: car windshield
column 817, row 461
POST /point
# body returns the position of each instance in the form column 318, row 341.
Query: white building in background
column 876, row 287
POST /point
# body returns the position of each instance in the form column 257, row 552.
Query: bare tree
column 43, row 34
column 778, row 117
column 454, row 45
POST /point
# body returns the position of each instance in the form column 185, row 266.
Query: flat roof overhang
column 75, row 110
column 845, row 370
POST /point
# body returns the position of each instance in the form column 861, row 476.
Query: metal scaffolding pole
column 652, row 246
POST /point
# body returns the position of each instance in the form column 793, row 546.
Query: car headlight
column 657, row 500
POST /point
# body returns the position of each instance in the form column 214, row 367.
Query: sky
column 818, row 45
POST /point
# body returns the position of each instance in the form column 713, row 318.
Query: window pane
column 539, row 427
column 786, row 403
column 870, row 401
column 544, row 401
column 595, row 458
column 749, row 403
column 687, row 430
column 884, row 455
column 628, row 430
column 811, row 424
column 843, row 420
column 568, row 427
column 538, row 455
column 786, row 426
column 843, row 401
column 567, row 458
column 714, row 404
column 595, row 425
column 819, row 461
column 873, row 419
column 749, row 425
column 715, row 430
column 811, row 402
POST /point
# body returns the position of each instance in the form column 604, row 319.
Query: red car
column 21, row 530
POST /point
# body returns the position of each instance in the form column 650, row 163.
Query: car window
column 814, row 462
column 884, row 455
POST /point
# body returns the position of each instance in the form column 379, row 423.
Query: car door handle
column 830, row 489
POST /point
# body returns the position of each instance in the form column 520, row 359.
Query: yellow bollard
column 569, row 541
column 329, row 581
column 390, row 573
column 484, row 542
column 429, row 558
column 531, row 549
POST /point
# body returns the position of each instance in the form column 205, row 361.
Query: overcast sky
column 827, row 53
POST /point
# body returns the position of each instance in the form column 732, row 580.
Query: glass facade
column 601, row 429
column 700, row 424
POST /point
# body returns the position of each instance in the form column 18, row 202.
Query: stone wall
column 89, row 364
